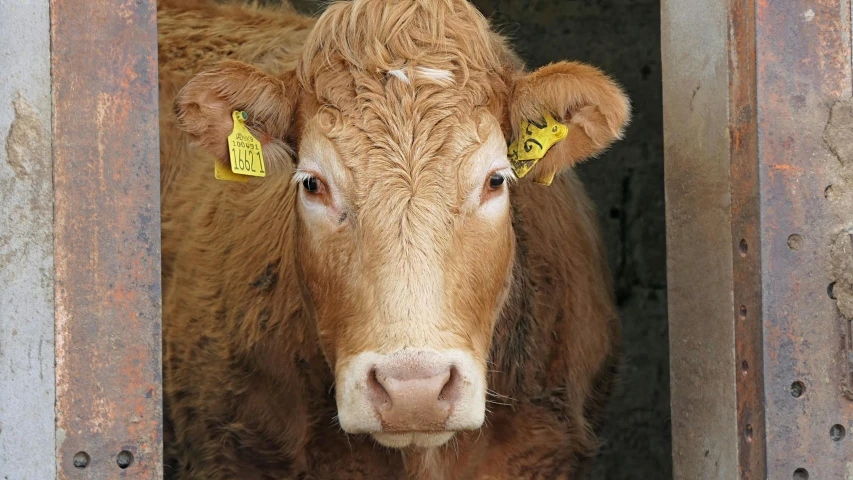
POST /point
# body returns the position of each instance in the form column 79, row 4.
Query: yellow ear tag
column 247, row 158
column 533, row 142
column 223, row 172
column 546, row 179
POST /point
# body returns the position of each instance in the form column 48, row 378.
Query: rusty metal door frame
column 107, row 239
column 759, row 179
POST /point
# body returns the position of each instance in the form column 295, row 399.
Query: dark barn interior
column 626, row 183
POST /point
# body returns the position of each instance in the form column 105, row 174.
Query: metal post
column 107, row 246
column 804, row 69
column 695, row 40
column 759, row 176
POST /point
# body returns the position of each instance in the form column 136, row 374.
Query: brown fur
column 256, row 316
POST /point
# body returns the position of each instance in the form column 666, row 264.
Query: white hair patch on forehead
column 441, row 76
column 400, row 74
column 433, row 74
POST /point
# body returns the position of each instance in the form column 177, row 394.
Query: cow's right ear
column 205, row 105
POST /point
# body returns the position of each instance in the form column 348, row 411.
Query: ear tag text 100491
column 533, row 142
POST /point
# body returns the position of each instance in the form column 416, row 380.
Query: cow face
column 406, row 246
column 400, row 113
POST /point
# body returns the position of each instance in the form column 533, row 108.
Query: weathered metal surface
column 791, row 186
column 107, row 239
column 745, row 241
column 26, row 243
column 699, row 231
column 803, row 68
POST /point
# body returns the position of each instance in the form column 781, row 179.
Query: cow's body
column 249, row 392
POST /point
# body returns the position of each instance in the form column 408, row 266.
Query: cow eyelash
column 300, row 176
column 508, row 173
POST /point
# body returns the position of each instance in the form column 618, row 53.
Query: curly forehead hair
column 408, row 36
column 413, row 78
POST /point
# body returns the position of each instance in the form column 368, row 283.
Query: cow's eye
column 496, row 180
column 312, row 185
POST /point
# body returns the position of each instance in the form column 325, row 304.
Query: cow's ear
column 592, row 105
column 205, row 105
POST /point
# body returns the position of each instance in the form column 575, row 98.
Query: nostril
column 450, row 390
column 378, row 394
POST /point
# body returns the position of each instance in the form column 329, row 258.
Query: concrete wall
column 26, row 244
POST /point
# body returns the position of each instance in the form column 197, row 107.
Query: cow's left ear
column 590, row 103
column 204, row 108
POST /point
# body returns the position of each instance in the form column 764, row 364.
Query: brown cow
column 388, row 302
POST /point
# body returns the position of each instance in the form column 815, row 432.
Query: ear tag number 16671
column 247, row 158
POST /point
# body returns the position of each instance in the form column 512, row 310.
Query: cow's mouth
column 412, row 439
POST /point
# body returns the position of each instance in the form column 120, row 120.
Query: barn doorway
column 108, row 332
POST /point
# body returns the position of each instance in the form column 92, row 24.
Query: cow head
column 401, row 112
